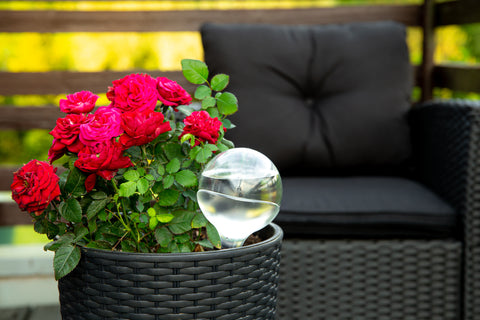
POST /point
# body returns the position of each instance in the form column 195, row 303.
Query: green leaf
column 80, row 232
column 193, row 153
column 186, row 110
column 127, row 189
column 208, row 102
column 95, row 207
column 65, row 260
column 167, row 197
column 211, row 147
column 182, row 238
column 173, row 247
column 165, row 217
column 152, row 223
column 227, row 103
column 199, row 220
column 135, row 152
column 173, row 151
column 40, row 226
column 128, row 245
column 186, row 178
column 195, row 71
column 202, row 92
column 65, row 239
column 98, row 195
column 182, row 222
column 205, row 243
column 163, row 236
column 151, row 212
column 220, row 82
column 142, row 185
column 160, row 169
column 213, row 112
column 213, row 236
column 71, row 210
column 191, row 194
column 185, row 247
column 227, row 124
column 203, row 155
column 173, row 166
column 75, row 184
column 168, row 181
column 132, row 175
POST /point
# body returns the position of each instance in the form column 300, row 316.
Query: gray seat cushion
column 364, row 207
column 327, row 98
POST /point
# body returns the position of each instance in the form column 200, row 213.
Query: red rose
column 65, row 136
column 80, row 102
column 103, row 125
column 34, row 186
column 202, row 126
column 171, row 93
column 135, row 92
column 142, row 127
column 103, row 159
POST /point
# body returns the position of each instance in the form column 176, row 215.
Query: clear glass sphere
column 239, row 193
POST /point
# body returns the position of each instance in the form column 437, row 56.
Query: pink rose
column 34, row 186
column 65, row 136
column 142, row 127
column 103, row 125
column 80, row 102
column 135, row 92
column 171, row 93
column 203, row 127
column 103, row 159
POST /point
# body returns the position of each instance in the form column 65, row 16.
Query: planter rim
column 276, row 237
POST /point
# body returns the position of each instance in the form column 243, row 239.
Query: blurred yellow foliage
column 450, row 45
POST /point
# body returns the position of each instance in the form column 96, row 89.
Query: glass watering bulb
column 239, row 193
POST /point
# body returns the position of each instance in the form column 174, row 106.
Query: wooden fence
column 428, row 16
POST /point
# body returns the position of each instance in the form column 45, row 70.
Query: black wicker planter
column 226, row 284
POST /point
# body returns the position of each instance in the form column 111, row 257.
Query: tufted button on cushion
column 317, row 97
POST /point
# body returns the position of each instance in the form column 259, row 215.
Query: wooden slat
column 457, row 12
column 457, row 78
column 6, row 176
column 24, row 118
column 60, row 82
column 11, row 215
column 428, row 49
column 191, row 20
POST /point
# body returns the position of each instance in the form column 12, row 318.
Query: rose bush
column 131, row 168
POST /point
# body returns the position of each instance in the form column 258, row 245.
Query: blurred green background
column 119, row 51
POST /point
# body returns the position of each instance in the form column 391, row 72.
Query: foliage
column 146, row 204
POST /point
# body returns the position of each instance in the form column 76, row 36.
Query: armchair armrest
column 446, row 148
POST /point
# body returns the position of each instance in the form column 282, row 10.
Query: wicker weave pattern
column 452, row 129
column 222, row 286
column 369, row 280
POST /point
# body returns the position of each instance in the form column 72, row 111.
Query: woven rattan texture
column 220, row 287
column 360, row 280
column 451, row 166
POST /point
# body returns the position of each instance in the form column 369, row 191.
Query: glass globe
column 239, row 193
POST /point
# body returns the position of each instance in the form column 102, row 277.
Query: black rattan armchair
column 380, row 198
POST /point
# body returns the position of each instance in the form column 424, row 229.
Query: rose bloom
column 34, row 186
column 103, row 159
column 80, row 102
column 171, row 93
column 142, row 127
column 135, row 92
column 202, row 126
column 65, row 136
column 103, row 125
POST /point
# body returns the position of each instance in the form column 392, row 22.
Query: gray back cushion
column 324, row 98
